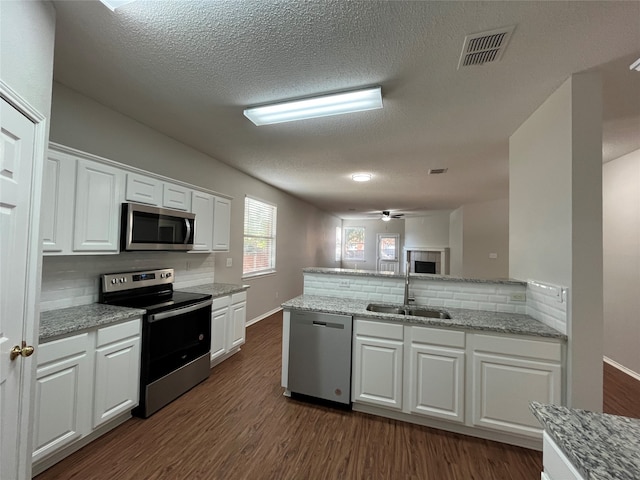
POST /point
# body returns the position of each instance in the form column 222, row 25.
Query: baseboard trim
column 622, row 368
column 263, row 316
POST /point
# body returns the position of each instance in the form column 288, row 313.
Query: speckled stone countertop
column 216, row 289
column 600, row 446
column 420, row 276
column 460, row 318
column 65, row 321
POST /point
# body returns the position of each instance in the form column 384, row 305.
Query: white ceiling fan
column 387, row 215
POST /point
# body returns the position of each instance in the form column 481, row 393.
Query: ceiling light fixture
column 386, row 216
column 323, row 106
column 113, row 4
column 635, row 65
column 361, row 177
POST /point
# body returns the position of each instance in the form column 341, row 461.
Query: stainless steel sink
column 372, row 307
column 414, row 311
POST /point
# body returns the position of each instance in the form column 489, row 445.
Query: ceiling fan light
column 361, row 177
column 314, row 107
column 386, row 218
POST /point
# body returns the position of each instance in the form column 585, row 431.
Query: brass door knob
column 21, row 351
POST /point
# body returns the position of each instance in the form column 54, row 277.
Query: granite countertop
column 215, row 289
column 600, row 446
column 420, row 276
column 65, row 321
column 511, row 323
column 57, row 323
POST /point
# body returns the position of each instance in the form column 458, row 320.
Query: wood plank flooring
column 237, row 425
column 621, row 393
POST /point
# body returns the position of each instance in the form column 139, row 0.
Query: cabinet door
column 97, row 209
column 436, row 381
column 202, row 205
column 143, row 189
column 221, row 224
column 219, row 322
column 238, row 313
column 117, row 376
column 62, row 403
column 504, row 385
column 377, row 373
column 58, row 189
column 177, row 197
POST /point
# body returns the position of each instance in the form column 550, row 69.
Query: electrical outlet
column 229, row 261
column 493, row 255
column 343, row 284
column 519, row 297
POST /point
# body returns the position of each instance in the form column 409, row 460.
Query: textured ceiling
column 188, row 68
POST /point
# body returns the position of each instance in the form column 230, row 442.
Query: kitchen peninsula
column 473, row 373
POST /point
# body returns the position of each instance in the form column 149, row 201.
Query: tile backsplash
column 548, row 304
column 74, row 280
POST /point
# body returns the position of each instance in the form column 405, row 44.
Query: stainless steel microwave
column 145, row 227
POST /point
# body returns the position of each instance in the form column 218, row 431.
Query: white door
column 18, row 258
column 387, row 252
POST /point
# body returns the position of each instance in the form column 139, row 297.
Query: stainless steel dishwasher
column 320, row 355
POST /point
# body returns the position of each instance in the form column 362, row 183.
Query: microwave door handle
column 188, row 235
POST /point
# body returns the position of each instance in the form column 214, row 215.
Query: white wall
column 431, row 230
column 306, row 235
column 621, row 251
column 456, row 242
column 555, row 219
column 372, row 229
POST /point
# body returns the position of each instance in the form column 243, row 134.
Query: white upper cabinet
column 58, row 188
column 221, row 224
column 176, row 197
column 143, row 189
column 202, row 204
column 97, row 210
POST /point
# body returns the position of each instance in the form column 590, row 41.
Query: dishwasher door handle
column 317, row 323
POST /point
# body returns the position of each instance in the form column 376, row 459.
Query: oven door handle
column 179, row 311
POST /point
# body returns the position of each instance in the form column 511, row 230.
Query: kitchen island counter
column 473, row 320
column 600, row 446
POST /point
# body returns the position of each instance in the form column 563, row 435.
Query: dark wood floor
column 237, row 425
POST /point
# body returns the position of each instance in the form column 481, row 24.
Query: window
column 387, row 247
column 259, row 254
column 338, row 244
column 354, row 244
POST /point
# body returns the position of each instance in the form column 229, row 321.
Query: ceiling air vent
column 484, row 47
column 437, row 171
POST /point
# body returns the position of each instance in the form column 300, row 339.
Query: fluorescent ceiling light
column 361, row 177
column 113, row 4
column 336, row 104
column 635, row 65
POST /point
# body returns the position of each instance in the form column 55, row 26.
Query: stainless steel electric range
column 176, row 333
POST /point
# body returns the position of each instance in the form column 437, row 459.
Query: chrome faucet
column 406, row 280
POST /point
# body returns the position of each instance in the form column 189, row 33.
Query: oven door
column 151, row 228
column 174, row 338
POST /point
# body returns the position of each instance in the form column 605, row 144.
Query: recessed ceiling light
column 323, row 106
column 361, row 177
column 635, row 65
column 113, row 4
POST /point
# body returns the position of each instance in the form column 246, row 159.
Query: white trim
column 622, row 368
column 263, row 316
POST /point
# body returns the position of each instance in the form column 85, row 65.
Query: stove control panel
column 116, row 282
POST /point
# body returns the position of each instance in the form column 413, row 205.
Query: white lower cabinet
column 117, row 371
column 82, row 382
column 228, row 325
column 509, row 373
column 62, row 404
column 436, row 378
column 377, row 363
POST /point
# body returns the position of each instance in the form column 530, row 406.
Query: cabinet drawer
column 220, row 302
column 390, row 331
column 238, row 297
column 118, row 332
column 61, row 348
column 518, row 347
column 437, row 336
